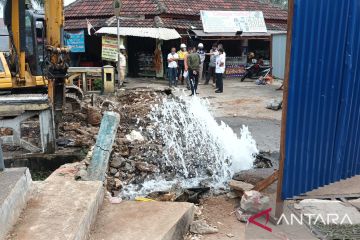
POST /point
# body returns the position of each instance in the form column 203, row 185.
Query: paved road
column 266, row 132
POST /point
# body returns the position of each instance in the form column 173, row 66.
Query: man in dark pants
column 220, row 70
column 181, row 65
column 172, row 67
column 212, row 65
column 192, row 65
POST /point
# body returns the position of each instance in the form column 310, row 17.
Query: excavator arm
column 57, row 55
column 37, row 48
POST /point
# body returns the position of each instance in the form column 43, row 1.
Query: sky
column 66, row 2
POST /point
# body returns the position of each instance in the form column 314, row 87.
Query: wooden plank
column 260, row 186
column 279, row 208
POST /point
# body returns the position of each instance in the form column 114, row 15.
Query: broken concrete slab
column 15, row 186
column 60, row 210
column 132, row 220
column 253, row 176
column 103, row 146
column 240, row 185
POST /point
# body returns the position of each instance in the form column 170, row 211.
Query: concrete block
column 240, row 186
column 60, row 210
column 14, row 191
column 143, row 221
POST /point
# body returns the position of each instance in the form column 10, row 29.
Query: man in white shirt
column 172, row 58
column 220, row 70
column 122, row 65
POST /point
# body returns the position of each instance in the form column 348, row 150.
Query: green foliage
column 98, row 84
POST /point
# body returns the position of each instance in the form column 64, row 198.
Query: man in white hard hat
column 122, row 65
column 202, row 55
column 181, row 65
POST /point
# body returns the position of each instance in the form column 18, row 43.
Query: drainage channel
column 42, row 165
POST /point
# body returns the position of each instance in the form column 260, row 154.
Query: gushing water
column 196, row 146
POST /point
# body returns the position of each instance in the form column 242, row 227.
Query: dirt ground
column 219, row 212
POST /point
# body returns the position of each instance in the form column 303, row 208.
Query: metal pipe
column 118, row 47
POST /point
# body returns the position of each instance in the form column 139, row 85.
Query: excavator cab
column 35, row 36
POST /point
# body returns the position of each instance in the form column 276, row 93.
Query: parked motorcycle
column 256, row 70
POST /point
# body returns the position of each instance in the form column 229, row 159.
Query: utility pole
column 117, row 9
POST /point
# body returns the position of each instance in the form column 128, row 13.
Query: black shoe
column 197, row 93
column 218, row 91
column 191, row 95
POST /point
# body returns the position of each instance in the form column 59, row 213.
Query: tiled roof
column 130, row 22
column 98, row 8
column 81, row 23
column 193, row 7
column 180, row 24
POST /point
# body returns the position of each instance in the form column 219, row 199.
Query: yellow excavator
column 37, row 64
column 37, row 60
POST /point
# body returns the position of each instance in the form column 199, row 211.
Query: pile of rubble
column 138, row 151
column 134, row 158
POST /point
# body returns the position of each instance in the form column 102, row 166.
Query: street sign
column 117, row 7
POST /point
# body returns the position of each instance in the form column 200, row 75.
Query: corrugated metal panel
column 278, row 55
column 322, row 126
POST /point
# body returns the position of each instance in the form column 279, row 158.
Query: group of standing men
column 188, row 64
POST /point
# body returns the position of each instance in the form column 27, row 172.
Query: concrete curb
column 15, row 201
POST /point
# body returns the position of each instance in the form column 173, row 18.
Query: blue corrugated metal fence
column 323, row 115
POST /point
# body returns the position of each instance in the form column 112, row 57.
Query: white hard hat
column 201, row 45
column 122, row 47
column 183, row 45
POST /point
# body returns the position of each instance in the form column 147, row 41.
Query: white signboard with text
column 233, row 21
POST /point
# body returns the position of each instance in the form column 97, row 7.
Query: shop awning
column 158, row 33
column 201, row 33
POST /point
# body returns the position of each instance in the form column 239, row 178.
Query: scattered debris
column 198, row 211
column 201, row 227
column 254, row 201
column 241, row 216
column 113, row 200
column 275, row 104
column 146, row 167
column 93, row 116
column 230, row 235
column 232, row 195
column 135, row 136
